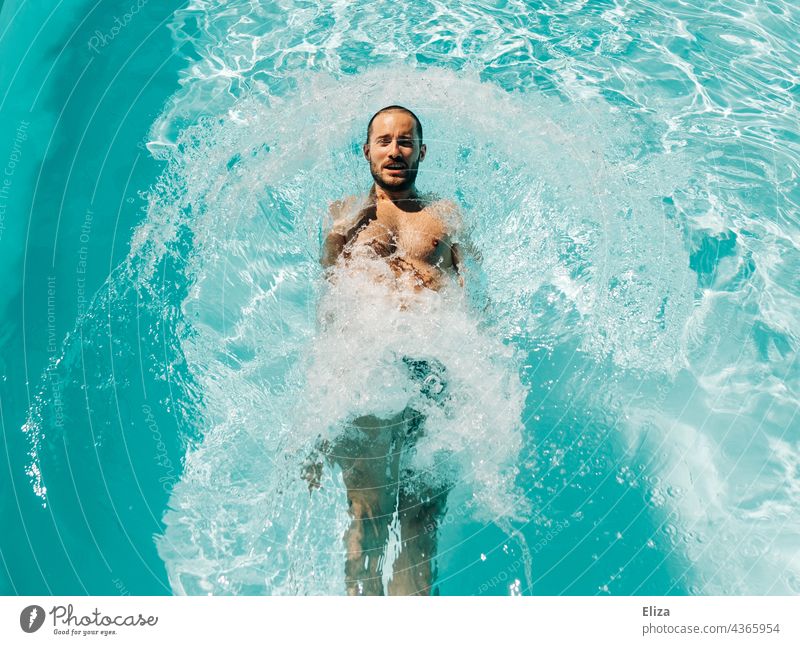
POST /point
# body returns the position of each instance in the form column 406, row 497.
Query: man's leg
column 414, row 573
column 369, row 463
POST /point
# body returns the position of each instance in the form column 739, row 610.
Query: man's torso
column 416, row 239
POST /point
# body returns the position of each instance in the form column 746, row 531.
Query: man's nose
column 394, row 149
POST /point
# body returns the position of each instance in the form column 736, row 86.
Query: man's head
column 394, row 148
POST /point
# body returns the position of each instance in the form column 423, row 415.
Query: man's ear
column 422, row 150
column 365, row 148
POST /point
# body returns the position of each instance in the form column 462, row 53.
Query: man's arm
column 451, row 216
column 336, row 238
column 455, row 254
column 332, row 247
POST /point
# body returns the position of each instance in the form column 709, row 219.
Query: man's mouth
column 395, row 166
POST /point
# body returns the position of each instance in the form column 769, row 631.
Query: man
column 410, row 229
column 394, row 524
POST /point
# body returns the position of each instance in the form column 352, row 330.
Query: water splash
column 656, row 252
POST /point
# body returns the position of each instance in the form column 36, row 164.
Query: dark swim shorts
column 430, row 485
column 430, row 375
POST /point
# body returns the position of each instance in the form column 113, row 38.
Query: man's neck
column 399, row 197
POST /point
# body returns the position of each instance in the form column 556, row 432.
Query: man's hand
column 455, row 253
column 312, row 473
column 345, row 226
column 336, row 237
column 311, row 468
column 450, row 213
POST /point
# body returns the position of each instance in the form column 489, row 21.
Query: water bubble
column 656, row 498
column 671, row 531
column 674, row 492
column 793, row 582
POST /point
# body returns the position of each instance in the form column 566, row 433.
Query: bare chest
column 420, row 236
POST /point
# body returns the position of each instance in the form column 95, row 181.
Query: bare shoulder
column 342, row 208
column 343, row 212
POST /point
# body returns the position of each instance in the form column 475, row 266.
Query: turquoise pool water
column 625, row 361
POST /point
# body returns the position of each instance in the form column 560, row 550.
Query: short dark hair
column 396, row 108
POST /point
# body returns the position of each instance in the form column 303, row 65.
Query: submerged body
column 391, row 541
column 414, row 235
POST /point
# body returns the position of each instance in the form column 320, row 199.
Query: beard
column 396, row 186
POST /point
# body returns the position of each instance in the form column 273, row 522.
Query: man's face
column 393, row 151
